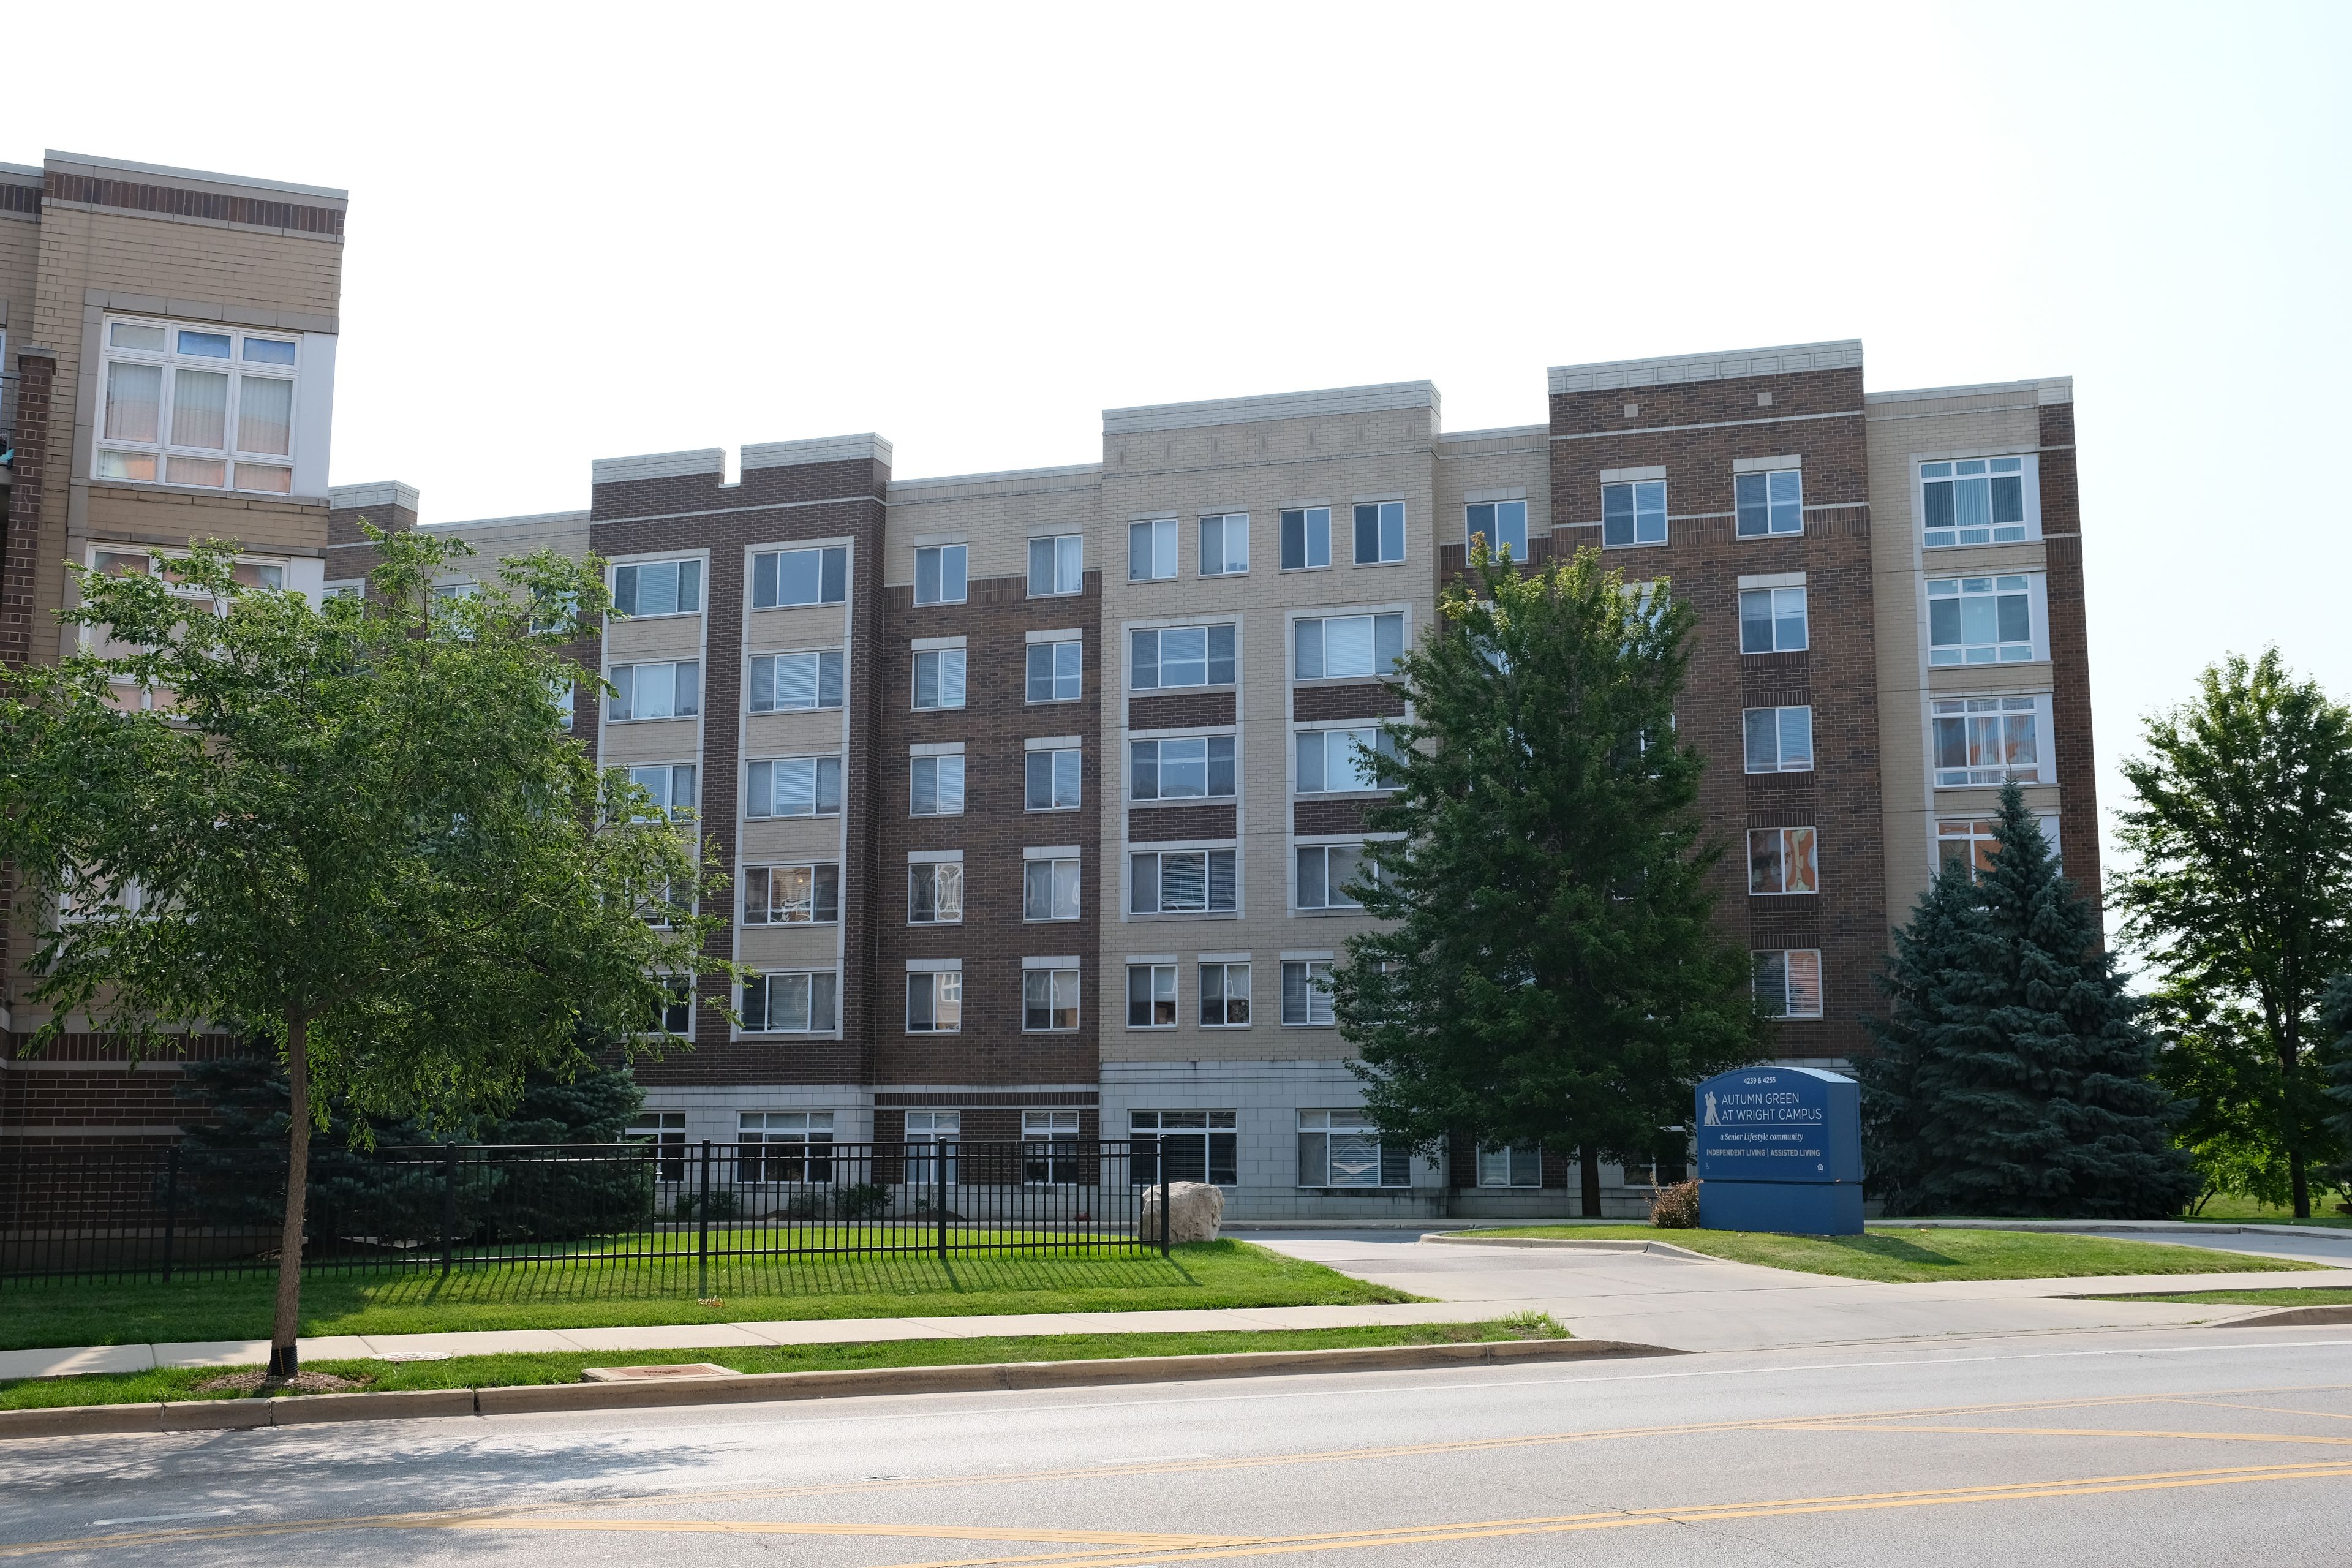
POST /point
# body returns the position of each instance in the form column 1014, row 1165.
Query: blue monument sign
column 1780, row 1149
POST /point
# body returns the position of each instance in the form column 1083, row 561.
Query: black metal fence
column 130, row 1212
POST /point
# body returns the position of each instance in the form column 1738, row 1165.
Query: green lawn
column 607, row 1294
column 2249, row 1211
column 509, row 1371
column 2286, row 1296
column 1902, row 1257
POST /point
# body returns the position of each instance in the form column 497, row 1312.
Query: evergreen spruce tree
column 1893, row 1117
column 2032, row 1090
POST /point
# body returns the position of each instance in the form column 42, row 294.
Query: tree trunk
column 284, row 1360
column 2290, row 1052
column 1589, row 1159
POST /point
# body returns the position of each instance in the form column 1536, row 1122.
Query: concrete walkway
column 1652, row 1299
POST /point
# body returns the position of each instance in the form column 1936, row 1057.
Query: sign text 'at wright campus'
column 1780, row 1149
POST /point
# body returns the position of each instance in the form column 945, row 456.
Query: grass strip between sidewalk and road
column 509, row 1370
column 1910, row 1257
column 609, row 1294
column 2286, row 1296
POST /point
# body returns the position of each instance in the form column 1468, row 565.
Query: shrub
column 723, row 1206
column 865, row 1201
column 1676, row 1207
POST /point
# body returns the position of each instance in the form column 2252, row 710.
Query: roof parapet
column 1325, row 403
column 1843, row 353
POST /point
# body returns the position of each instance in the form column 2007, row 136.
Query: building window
column 794, row 786
column 1224, row 545
column 1049, row 890
column 1183, row 882
column 1326, row 871
column 935, row 893
column 1379, row 533
column 1335, row 760
column 791, row 1003
column 1192, row 768
column 792, row 895
column 1049, row 1149
column 655, row 691
column 1516, row 1167
column 1336, row 648
column 1988, row 740
column 671, row 784
column 939, row 575
column 658, row 588
column 783, row 578
column 1769, row 503
column 1772, row 620
column 790, row 682
column 207, row 406
column 1662, row 1170
column 1969, row 841
column 1057, row 566
column 1049, row 1001
column 936, row 786
column 1979, row 501
column 938, row 678
column 1196, row 1146
column 1306, row 538
column 1504, row 524
column 1781, row 861
column 1056, row 670
column 1779, row 740
column 675, row 1015
column 1181, row 656
column 1306, row 993
column 1224, row 997
column 1634, row 514
column 784, row 1146
column 1980, row 620
column 664, row 1130
column 1151, row 996
column 1151, row 550
column 566, row 694
column 1789, row 982
column 1343, row 1149
column 1050, row 780
column 935, row 1002
column 931, row 1137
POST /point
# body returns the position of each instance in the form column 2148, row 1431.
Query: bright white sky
column 583, row 232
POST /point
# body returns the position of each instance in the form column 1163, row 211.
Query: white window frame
column 1158, row 634
column 1509, row 1162
column 1776, row 601
column 1209, row 746
column 1156, row 973
column 1939, row 472
column 1976, row 834
column 1974, row 707
column 1990, row 588
column 1225, row 527
column 1052, row 647
column 681, row 1001
column 1055, row 865
column 1788, row 957
column 1637, row 491
column 944, row 987
column 1320, row 850
column 276, row 468
column 1064, row 561
column 758, row 1016
column 628, row 683
column 819, row 657
column 1058, row 979
column 1321, row 737
column 1049, row 1145
column 1318, row 1130
column 1781, row 729
column 1156, row 540
column 939, row 762
column 1059, row 761
column 1322, row 636
column 1773, row 509
column 1314, row 999
column 1782, row 843
column 1225, row 969
column 770, row 564
column 672, row 812
column 1160, row 854
column 1390, row 528
column 942, row 557
column 948, row 671
column 817, row 770
column 773, row 913
column 947, row 891
column 680, row 563
column 1314, row 528
column 1496, row 527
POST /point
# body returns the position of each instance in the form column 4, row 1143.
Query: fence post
column 939, row 1187
column 171, row 1206
column 1167, row 1220
column 448, row 1207
column 702, row 1213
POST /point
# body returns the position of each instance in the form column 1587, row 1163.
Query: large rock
column 1197, row 1208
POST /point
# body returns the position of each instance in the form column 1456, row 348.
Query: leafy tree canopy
column 1548, row 970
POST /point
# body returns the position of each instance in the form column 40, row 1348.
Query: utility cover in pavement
column 642, row 1373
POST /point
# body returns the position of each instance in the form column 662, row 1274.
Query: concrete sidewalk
column 1682, row 1303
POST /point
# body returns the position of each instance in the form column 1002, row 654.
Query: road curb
column 1597, row 1244
column 228, row 1414
column 2288, row 1318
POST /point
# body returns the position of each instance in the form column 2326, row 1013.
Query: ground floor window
column 1661, row 1172
column 1049, row 1149
column 666, row 1130
column 1343, row 1149
column 1519, row 1167
column 1198, row 1145
column 784, row 1146
column 931, row 1137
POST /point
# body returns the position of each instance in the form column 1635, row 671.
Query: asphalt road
column 2189, row 1447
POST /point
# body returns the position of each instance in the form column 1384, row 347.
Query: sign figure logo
column 1710, row 1121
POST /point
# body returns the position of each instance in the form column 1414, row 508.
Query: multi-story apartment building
column 167, row 374
column 1036, row 789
